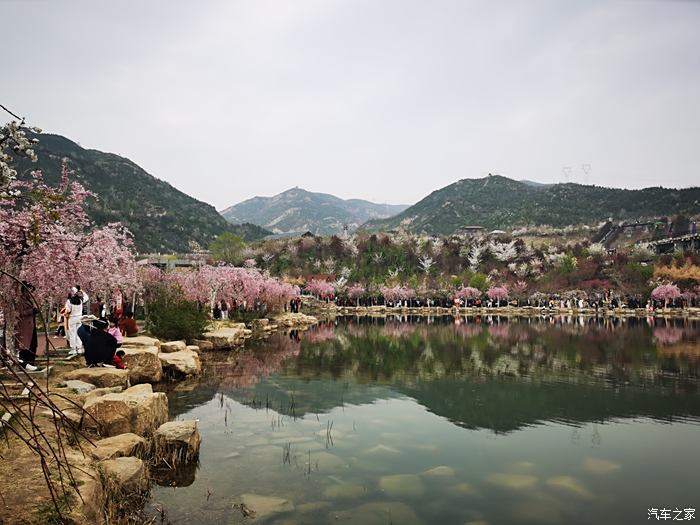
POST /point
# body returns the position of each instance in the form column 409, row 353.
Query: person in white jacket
column 74, row 311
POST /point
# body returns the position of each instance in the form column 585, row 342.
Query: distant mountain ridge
column 499, row 202
column 298, row 210
column 161, row 218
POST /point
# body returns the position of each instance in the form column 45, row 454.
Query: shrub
column 172, row 317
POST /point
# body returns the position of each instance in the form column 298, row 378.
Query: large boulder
column 100, row 377
column 128, row 474
column 181, row 364
column 192, row 348
column 143, row 364
column 294, row 320
column 141, row 340
column 119, row 446
column 177, row 442
column 228, row 337
column 204, row 346
column 137, row 409
column 173, row 346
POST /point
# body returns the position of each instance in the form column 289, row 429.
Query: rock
column 327, row 461
column 143, row 364
column 512, row 481
column 290, row 320
column 266, row 505
column 345, row 491
column 402, row 486
column 570, row 486
column 137, row 409
column 181, row 476
column 259, row 325
column 230, row 337
column 192, row 348
column 79, row 387
column 464, row 489
column 119, row 446
column 378, row 513
column 204, row 346
column 102, row 391
column 128, row 473
column 181, row 364
column 101, row 377
column 441, row 471
column 600, row 466
column 173, row 346
column 177, row 442
column 381, row 449
column 141, row 340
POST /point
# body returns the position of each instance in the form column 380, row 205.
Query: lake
column 442, row 420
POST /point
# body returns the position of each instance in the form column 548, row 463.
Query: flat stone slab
column 227, row 337
column 100, row 377
column 173, row 346
column 204, row 346
column 141, row 340
column 129, row 473
column 138, row 410
column 181, row 364
column 79, row 387
column 290, row 320
column 143, row 364
column 122, row 445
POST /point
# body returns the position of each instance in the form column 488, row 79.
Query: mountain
column 500, row 202
column 298, row 210
column 162, row 218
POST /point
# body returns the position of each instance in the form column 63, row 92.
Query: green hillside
column 162, row 218
column 499, row 202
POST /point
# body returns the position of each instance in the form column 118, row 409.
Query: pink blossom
column 498, row 293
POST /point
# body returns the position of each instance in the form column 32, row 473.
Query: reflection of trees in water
column 668, row 335
column 319, row 333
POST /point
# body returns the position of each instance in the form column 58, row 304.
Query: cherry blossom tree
column 467, row 293
column 497, row 293
column 666, row 293
column 320, row 288
column 355, row 292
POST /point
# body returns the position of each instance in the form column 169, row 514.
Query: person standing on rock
column 74, row 311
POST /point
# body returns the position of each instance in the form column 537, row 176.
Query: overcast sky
column 386, row 100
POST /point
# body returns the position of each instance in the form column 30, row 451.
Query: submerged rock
column 441, row 471
column 600, row 466
column 264, row 506
column 345, row 491
column 569, row 485
column 402, row 485
column 312, row 506
column 513, row 481
column 326, row 461
column 464, row 489
column 381, row 449
column 100, row 377
column 122, row 445
column 143, row 364
column 138, row 410
column 376, row 514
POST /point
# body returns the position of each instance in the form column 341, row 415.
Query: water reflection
column 443, row 420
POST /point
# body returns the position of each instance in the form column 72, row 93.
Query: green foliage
column 172, row 317
column 227, row 248
column 479, row 281
column 499, row 202
column 567, row 264
column 161, row 218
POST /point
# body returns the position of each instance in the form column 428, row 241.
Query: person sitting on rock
column 101, row 346
column 118, row 360
column 128, row 326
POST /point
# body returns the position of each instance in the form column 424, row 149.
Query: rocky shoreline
column 123, row 435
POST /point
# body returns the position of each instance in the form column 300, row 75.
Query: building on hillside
column 172, row 261
column 472, row 230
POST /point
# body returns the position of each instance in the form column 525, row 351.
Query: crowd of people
column 92, row 329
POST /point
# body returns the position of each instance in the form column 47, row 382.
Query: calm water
column 436, row 421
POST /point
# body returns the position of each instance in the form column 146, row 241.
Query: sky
column 386, row 100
